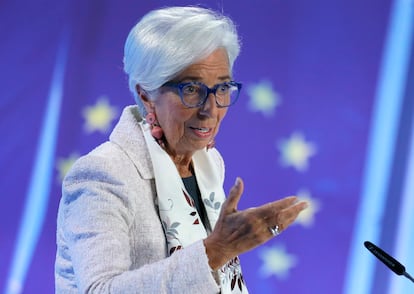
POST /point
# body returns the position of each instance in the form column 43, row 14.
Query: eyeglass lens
column 195, row 94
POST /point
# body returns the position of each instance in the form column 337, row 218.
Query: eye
column 191, row 89
column 223, row 88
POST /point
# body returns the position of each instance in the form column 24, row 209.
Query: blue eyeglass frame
column 213, row 90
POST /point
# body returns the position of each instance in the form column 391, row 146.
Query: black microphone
column 388, row 260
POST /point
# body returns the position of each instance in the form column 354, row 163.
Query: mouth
column 202, row 132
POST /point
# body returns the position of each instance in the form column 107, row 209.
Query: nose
column 209, row 108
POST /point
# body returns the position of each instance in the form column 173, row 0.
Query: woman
column 145, row 212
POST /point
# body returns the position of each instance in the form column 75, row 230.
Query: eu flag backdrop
column 326, row 113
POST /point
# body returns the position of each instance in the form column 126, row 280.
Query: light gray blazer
column 109, row 235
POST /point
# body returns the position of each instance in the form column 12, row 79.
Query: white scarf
column 180, row 219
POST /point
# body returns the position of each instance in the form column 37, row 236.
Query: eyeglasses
column 194, row 94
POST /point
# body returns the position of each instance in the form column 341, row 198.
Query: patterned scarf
column 179, row 216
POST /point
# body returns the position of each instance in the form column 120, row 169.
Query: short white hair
column 168, row 40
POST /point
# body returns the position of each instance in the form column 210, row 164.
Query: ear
column 143, row 95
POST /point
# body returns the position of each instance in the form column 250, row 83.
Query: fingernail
column 237, row 182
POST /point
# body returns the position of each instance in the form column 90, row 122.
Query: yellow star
column 263, row 98
column 276, row 261
column 99, row 116
column 296, row 152
column 307, row 217
column 64, row 164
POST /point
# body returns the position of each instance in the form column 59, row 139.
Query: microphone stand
column 407, row 275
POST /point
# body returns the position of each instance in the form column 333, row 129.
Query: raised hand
column 239, row 231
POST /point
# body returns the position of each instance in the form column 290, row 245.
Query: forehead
column 215, row 66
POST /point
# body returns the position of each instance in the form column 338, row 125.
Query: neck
column 183, row 162
column 184, row 165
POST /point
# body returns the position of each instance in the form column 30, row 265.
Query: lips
column 202, row 132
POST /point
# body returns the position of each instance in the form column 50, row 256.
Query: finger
column 230, row 205
column 285, row 202
column 270, row 209
column 293, row 212
column 288, row 215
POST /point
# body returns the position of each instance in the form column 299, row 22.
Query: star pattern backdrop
column 326, row 113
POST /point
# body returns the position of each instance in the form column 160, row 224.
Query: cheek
column 172, row 119
column 167, row 110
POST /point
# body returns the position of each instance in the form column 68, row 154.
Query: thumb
column 230, row 205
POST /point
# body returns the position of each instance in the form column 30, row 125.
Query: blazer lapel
column 128, row 135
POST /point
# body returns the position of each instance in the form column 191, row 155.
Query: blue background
column 335, row 78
